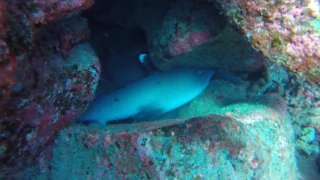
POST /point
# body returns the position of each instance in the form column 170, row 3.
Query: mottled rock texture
column 255, row 138
column 193, row 33
column 287, row 32
column 48, row 75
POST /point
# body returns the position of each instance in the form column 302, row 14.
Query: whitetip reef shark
column 153, row 95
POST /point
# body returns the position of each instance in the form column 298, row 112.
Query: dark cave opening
column 117, row 29
column 119, row 33
column 117, row 46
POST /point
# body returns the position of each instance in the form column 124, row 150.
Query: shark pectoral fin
column 148, row 114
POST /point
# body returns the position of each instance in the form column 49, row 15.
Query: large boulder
column 48, row 75
column 244, row 140
column 287, row 32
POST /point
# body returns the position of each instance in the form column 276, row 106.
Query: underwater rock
column 307, row 141
column 48, row 75
column 193, row 33
column 42, row 12
column 287, row 32
column 302, row 98
column 247, row 141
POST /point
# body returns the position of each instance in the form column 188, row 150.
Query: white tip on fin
column 142, row 58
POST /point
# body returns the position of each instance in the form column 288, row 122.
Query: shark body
column 152, row 96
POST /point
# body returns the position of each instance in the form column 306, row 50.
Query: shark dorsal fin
column 146, row 62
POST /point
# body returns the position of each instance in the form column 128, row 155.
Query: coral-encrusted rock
column 49, row 10
column 55, row 92
column 287, row 32
column 194, row 34
column 256, row 139
column 48, row 75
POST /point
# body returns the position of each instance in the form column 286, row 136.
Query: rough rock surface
column 48, row 75
column 255, row 138
column 287, row 32
column 192, row 34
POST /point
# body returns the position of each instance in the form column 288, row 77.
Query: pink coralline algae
column 287, row 32
column 48, row 75
column 208, row 147
column 48, row 10
column 185, row 45
column 193, row 33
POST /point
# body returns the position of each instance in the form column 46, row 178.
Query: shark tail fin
column 224, row 75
